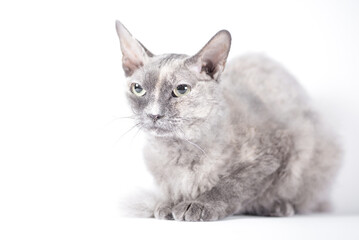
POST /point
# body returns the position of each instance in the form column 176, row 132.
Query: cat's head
column 172, row 93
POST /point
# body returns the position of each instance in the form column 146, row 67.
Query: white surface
column 302, row 227
column 64, row 167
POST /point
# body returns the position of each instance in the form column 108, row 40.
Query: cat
column 227, row 139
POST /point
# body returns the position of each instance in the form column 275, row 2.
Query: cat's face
column 171, row 94
column 167, row 97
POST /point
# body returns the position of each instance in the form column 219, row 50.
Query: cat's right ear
column 134, row 54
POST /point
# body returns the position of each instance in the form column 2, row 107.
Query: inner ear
column 134, row 54
column 209, row 68
column 211, row 59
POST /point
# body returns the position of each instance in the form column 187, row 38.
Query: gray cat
column 241, row 141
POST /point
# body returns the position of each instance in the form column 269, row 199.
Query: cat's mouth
column 160, row 127
column 159, row 131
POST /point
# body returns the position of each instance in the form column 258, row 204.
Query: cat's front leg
column 230, row 194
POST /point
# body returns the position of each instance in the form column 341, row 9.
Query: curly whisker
column 120, row 118
column 190, row 142
column 136, row 125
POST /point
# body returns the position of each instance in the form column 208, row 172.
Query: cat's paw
column 194, row 211
column 282, row 209
column 163, row 211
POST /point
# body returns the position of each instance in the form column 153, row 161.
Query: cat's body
column 242, row 141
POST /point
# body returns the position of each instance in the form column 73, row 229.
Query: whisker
column 119, row 118
column 139, row 129
column 131, row 117
column 126, row 133
column 192, row 143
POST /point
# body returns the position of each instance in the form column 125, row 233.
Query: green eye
column 181, row 90
column 137, row 89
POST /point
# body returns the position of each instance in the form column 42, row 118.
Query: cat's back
column 263, row 82
column 267, row 94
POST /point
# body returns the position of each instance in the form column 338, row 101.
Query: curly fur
column 245, row 140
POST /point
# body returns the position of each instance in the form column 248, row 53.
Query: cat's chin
column 159, row 132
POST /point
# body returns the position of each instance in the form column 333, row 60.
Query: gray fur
column 244, row 141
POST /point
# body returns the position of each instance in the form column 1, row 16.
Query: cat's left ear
column 211, row 60
column 134, row 54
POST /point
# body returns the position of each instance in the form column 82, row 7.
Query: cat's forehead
column 164, row 68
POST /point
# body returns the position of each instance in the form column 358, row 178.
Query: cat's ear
column 134, row 54
column 211, row 59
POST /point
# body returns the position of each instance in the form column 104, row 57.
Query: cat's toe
column 188, row 211
column 193, row 211
column 163, row 212
column 283, row 209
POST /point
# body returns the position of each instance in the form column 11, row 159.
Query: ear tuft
column 211, row 59
column 134, row 54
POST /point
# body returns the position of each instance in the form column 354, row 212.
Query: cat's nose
column 155, row 117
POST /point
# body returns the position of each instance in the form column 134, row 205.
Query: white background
column 64, row 166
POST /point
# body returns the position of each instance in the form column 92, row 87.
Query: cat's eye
column 181, row 90
column 137, row 89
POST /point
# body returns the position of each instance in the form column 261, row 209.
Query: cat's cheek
column 138, row 104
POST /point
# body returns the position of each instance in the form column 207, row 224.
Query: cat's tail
column 140, row 204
